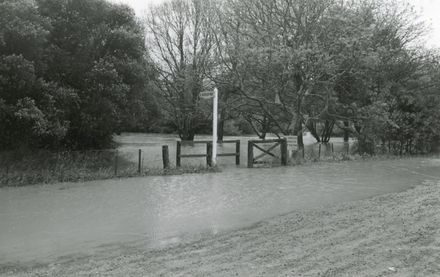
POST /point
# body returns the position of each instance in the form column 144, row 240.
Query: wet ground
column 41, row 223
column 151, row 148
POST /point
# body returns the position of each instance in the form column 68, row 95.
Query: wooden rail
column 208, row 153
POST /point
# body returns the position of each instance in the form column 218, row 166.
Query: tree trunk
column 299, row 125
column 186, row 130
column 220, row 130
column 327, row 131
column 346, row 132
column 299, row 132
column 187, row 135
column 266, row 127
column 311, row 126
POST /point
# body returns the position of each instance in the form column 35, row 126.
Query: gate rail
column 277, row 142
column 208, row 153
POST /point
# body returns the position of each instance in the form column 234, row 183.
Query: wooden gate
column 282, row 143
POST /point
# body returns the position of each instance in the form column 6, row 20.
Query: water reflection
column 43, row 222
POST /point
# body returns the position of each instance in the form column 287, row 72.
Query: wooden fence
column 208, row 154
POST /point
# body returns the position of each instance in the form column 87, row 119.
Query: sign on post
column 207, row 94
column 214, row 126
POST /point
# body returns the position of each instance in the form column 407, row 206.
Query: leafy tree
column 32, row 109
column 98, row 50
column 71, row 73
column 326, row 63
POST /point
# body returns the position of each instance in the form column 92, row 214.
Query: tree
column 71, row 73
column 386, row 64
column 32, row 110
column 182, row 41
column 276, row 53
column 98, row 49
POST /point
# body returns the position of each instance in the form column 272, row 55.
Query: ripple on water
column 44, row 221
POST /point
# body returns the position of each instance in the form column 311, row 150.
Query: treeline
column 73, row 72
column 286, row 66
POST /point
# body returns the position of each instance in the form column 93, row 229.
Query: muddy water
column 41, row 223
column 151, row 147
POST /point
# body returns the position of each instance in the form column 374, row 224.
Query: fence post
column 140, row 162
column 250, row 161
column 209, row 154
column 237, row 152
column 319, row 151
column 165, row 156
column 284, row 152
column 116, row 162
column 178, row 153
column 333, row 151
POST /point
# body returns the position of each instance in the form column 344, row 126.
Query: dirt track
column 389, row 235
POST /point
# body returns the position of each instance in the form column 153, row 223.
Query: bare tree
column 181, row 47
column 272, row 48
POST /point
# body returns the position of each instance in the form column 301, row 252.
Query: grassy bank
column 390, row 235
column 42, row 167
column 311, row 158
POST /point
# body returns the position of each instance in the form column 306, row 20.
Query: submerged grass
column 42, row 167
column 310, row 158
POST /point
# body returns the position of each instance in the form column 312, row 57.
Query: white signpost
column 214, row 95
column 207, row 94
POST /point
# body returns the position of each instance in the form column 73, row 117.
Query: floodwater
column 42, row 223
column 151, row 147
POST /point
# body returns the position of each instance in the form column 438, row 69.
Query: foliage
column 71, row 74
column 352, row 64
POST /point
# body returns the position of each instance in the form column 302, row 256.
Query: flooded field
column 151, row 147
column 42, row 223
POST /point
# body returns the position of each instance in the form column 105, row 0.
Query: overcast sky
column 430, row 11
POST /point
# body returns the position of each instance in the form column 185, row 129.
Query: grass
column 312, row 157
column 43, row 167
